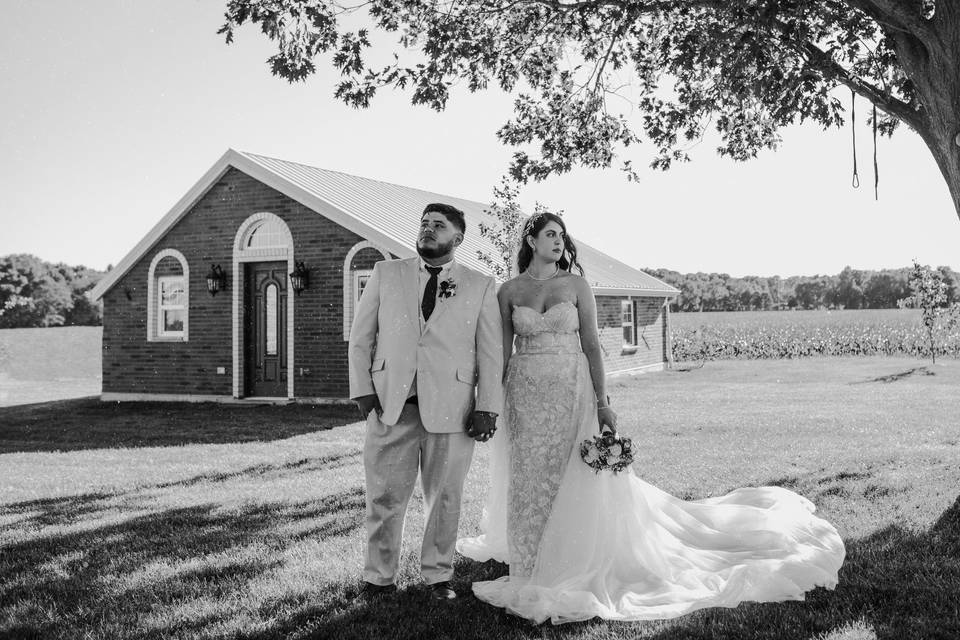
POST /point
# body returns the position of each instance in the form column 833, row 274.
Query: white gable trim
column 260, row 173
column 160, row 229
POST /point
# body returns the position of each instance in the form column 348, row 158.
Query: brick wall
column 205, row 235
column 365, row 259
column 650, row 332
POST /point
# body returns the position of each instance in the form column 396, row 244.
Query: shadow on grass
column 342, row 511
column 901, row 584
column 73, row 425
column 134, row 578
column 894, row 377
column 146, row 577
column 264, row 471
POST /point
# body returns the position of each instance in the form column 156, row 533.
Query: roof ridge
column 370, row 208
column 255, row 156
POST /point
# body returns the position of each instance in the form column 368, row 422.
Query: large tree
column 678, row 67
column 34, row 293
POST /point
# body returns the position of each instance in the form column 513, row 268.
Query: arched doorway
column 263, row 310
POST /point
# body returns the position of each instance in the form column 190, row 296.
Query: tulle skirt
column 618, row 548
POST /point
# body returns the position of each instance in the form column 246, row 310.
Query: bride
column 582, row 544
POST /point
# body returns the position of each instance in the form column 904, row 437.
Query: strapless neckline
column 545, row 311
column 560, row 319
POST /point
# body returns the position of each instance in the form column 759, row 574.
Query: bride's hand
column 607, row 417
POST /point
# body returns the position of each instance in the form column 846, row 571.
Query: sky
column 113, row 109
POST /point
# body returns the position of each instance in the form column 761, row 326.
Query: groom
column 425, row 369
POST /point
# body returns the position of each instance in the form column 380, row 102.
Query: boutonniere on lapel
column 447, row 289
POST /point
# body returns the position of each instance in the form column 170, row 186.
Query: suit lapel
column 411, row 296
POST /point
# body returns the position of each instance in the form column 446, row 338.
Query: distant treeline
column 35, row 293
column 849, row 289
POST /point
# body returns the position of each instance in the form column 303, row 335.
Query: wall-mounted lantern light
column 300, row 278
column 216, row 279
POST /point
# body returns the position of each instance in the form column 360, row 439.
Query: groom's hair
column 451, row 213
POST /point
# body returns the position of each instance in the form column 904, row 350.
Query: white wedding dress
column 582, row 544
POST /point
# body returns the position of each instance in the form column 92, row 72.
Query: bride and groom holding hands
column 439, row 359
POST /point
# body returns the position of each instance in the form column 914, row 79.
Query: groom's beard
column 436, row 251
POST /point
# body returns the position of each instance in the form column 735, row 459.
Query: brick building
column 166, row 336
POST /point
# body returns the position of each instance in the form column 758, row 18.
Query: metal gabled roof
column 382, row 212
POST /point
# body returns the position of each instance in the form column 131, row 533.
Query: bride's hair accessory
column 607, row 451
column 531, row 223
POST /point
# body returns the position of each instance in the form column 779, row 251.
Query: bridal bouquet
column 607, row 451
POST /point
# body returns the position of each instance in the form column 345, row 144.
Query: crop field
column 794, row 334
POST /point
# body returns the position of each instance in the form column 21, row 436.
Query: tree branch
column 606, row 56
column 892, row 106
column 897, row 14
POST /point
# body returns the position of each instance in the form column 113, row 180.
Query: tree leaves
column 590, row 77
column 34, row 293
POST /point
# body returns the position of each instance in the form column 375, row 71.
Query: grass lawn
column 202, row 521
column 37, row 365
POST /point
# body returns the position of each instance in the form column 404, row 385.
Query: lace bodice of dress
column 541, row 400
column 553, row 331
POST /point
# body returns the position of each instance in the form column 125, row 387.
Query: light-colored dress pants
column 392, row 456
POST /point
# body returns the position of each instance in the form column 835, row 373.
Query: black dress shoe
column 370, row 591
column 442, row 591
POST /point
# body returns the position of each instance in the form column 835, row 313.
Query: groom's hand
column 366, row 404
column 481, row 425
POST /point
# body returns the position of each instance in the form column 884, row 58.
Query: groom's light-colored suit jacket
column 457, row 360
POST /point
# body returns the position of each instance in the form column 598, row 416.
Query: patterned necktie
column 430, row 293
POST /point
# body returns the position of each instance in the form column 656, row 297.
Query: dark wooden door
column 265, row 328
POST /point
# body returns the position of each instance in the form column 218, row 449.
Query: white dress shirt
column 423, row 275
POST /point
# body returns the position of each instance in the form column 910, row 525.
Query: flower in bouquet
column 607, row 451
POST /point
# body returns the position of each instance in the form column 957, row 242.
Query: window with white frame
column 171, row 306
column 360, row 279
column 628, row 322
column 269, row 233
column 168, row 297
column 272, row 328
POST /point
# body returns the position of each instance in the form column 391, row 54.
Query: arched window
column 168, row 297
column 355, row 278
column 265, row 234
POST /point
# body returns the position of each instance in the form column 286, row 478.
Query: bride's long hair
column 533, row 226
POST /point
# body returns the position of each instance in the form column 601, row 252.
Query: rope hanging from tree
column 876, row 172
column 853, row 130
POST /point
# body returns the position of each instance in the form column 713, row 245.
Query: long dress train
column 582, row 544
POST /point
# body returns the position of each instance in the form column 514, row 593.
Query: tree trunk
column 942, row 142
column 933, row 65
